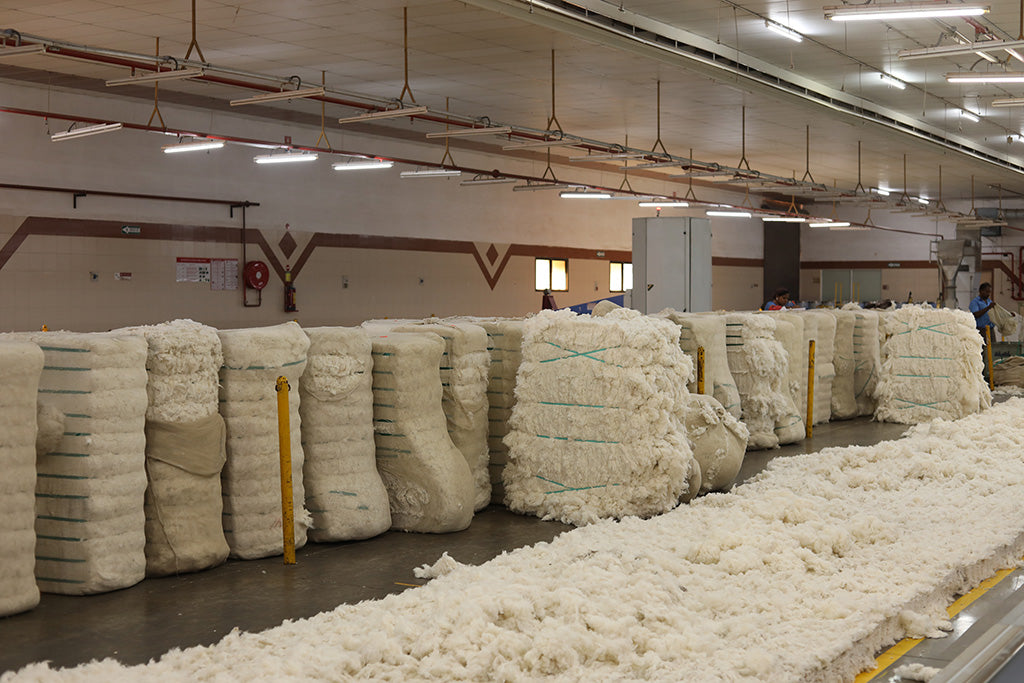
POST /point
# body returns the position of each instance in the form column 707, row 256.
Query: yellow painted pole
column 810, row 389
column 284, row 439
column 988, row 349
column 700, row 369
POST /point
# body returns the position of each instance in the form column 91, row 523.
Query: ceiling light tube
column 784, row 31
column 970, row 116
column 1009, row 102
column 539, row 186
column 432, row 173
column 193, row 146
column 278, row 96
column 721, row 213
column 847, row 226
column 385, row 114
column 157, row 76
column 1013, row 53
column 894, row 82
column 362, row 165
column 285, row 158
column 783, row 219
column 610, row 155
column 993, row 77
column 489, row 180
column 471, row 132
column 963, row 49
column 667, row 204
column 34, row 49
column 73, row 133
column 922, row 200
column 829, row 224
column 540, row 144
column 880, row 191
column 572, row 194
column 903, row 10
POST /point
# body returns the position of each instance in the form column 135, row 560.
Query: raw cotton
column 184, row 448
column 759, row 364
column 790, row 427
column 844, row 398
column 823, row 326
column 465, row 368
column 1009, row 371
column 1006, row 322
column 799, row 576
column 718, row 440
column 796, row 347
column 430, row 486
column 90, row 522
column 597, row 430
column 708, row 332
column 867, row 358
column 931, row 366
column 344, row 493
column 253, row 360
column 20, row 366
column 505, row 345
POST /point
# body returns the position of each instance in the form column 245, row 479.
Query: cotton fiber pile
column 505, row 344
column 597, row 430
column 789, row 428
column 718, row 439
column 253, row 360
column 90, row 484
column 796, row 346
column 759, row 364
column 844, row 398
column 867, row 361
column 931, row 366
column 465, row 368
column 184, row 448
column 20, row 365
column 708, row 332
column 823, row 325
column 801, row 575
column 430, row 486
column 344, row 492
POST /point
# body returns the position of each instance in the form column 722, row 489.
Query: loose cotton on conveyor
column 91, row 480
column 344, row 493
column 184, row 448
column 253, row 360
column 708, row 332
column 430, row 486
column 931, row 366
column 803, row 574
column 20, row 366
column 597, row 430
column 759, row 364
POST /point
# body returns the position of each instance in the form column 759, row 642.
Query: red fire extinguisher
column 289, row 291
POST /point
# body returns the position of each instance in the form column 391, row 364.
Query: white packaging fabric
column 867, row 358
column 184, row 448
column 758, row 363
column 844, row 399
column 20, row 366
column 430, row 486
column 598, row 427
column 824, row 327
column 344, row 492
column 931, row 366
column 708, row 332
column 90, row 524
column 253, row 360
column 718, row 440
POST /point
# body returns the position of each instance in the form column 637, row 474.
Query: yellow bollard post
column 700, row 369
column 284, row 436
column 810, row 389
column 45, row 328
column 988, row 349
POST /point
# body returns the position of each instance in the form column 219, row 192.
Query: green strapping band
column 576, row 405
column 584, row 354
column 68, row 369
column 565, row 438
column 345, row 493
column 565, row 488
column 64, row 349
column 58, row 559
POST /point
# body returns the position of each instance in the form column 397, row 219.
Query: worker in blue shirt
column 779, row 301
column 980, row 306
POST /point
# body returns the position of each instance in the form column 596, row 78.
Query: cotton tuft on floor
column 800, row 575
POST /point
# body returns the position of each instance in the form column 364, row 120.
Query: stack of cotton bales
column 759, row 364
column 430, row 486
column 844, row 398
column 867, row 360
column 789, row 331
column 931, row 366
column 184, row 448
column 465, row 368
column 796, row 346
column 708, row 332
column 253, row 360
column 598, row 427
column 91, row 479
column 344, row 493
column 823, row 325
column 505, row 344
column 718, row 439
column 20, row 365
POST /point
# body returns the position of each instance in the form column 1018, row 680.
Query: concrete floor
column 142, row 622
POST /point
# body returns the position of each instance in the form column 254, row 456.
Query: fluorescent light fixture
column 970, row 116
column 880, row 191
column 667, row 204
column 721, row 213
column 575, row 194
column 86, row 132
column 385, row 114
column 903, row 10
column 489, row 180
column 783, row 219
column 610, row 155
column 432, row 173
column 193, row 146
column 471, row 132
column 1009, row 102
column 894, row 82
column 362, row 165
column 278, row 96
column 1013, row 53
column 784, row 31
column 847, row 226
column 34, row 49
column 540, row 144
column 922, row 200
column 286, row 158
column 157, row 76
column 541, row 186
column 980, row 47
column 829, row 224
column 991, row 77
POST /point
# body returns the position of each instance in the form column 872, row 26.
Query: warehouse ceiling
column 650, row 75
